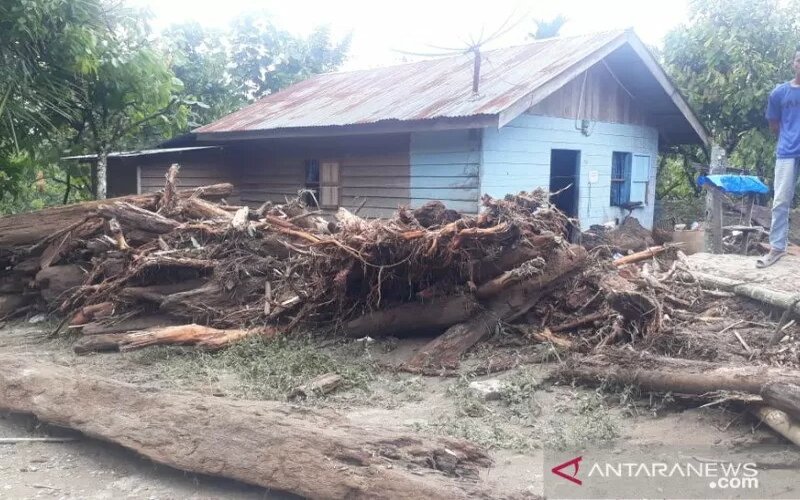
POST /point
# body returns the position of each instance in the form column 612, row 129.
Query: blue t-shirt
column 784, row 106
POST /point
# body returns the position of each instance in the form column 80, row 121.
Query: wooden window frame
column 330, row 172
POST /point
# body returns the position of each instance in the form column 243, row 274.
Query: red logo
column 575, row 462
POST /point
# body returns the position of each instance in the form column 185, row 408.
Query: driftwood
column 132, row 216
column 323, row 384
column 129, row 324
column 157, row 293
column 311, row 453
column 640, row 256
column 240, row 219
column 414, row 317
column 783, row 300
column 201, row 209
column 92, row 313
column 55, row 281
column 783, row 396
column 510, row 258
column 579, row 322
column 780, row 422
column 663, row 374
column 169, row 201
column 546, row 335
column 203, row 337
column 32, row 227
column 637, row 308
column 446, row 350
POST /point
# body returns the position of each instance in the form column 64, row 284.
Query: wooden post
column 714, row 202
column 750, row 201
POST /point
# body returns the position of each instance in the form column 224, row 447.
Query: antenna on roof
column 474, row 47
column 476, row 69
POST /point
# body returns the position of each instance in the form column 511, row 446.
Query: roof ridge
column 618, row 31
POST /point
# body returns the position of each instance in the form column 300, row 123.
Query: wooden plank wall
column 603, row 100
column 446, row 166
column 374, row 170
column 198, row 168
column 379, row 181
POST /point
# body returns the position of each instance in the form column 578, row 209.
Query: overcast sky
column 381, row 30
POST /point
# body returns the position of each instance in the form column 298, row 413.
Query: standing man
column 783, row 113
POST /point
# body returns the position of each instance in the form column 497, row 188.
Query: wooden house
column 584, row 116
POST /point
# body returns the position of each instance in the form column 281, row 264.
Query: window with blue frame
column 620, row 178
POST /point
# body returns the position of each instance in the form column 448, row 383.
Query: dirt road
column 530, row 417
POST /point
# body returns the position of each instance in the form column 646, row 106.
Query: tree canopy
column 725, row 60
column 89, row 76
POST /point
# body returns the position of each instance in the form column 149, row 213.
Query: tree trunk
column 200, row 209
column 129, row 324
column 783, row 300
column 446, row 350
column 311, row 453
column 132, row 216
column 780, row 422
column 663, row 374
column 204, row 337
column 413, row 318
column 102, row 163
column 783, row 396
column 31, row 227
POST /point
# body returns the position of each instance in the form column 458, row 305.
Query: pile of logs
column 176, row 268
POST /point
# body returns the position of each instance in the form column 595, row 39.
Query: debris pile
column 176, row 268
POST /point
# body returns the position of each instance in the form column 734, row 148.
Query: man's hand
column 775, row 126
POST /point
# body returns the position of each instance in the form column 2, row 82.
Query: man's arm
column 773, row 113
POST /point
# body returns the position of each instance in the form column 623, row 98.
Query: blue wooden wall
column 445, row 166
column 517, row 157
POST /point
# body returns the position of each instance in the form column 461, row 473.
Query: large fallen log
column 783, row 396
column 315, row 454
column 780, row 422
column 31, row 227
column 684, row 376
column 415, row 317
column 201, row 209
column 139, row 218
column 129, row 324
column 446, row 350
column 203, row 337
column 783, row 300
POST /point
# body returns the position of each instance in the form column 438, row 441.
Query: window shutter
column 640, row 178
column 329, row 185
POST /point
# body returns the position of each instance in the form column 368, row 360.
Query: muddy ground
column 532, row 414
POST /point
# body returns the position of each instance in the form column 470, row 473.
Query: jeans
column 786, row 170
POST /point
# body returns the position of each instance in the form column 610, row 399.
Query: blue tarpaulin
column 736, row 184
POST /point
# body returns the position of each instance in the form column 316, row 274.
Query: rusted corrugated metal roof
column 140, row 152
column 438, row 88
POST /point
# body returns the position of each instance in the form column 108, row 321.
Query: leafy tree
column 42, row 44
column 548, row 28
column 265, row 59
column 86, row 76
column 198, row 58
column 132, row 99
column 726, row 60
